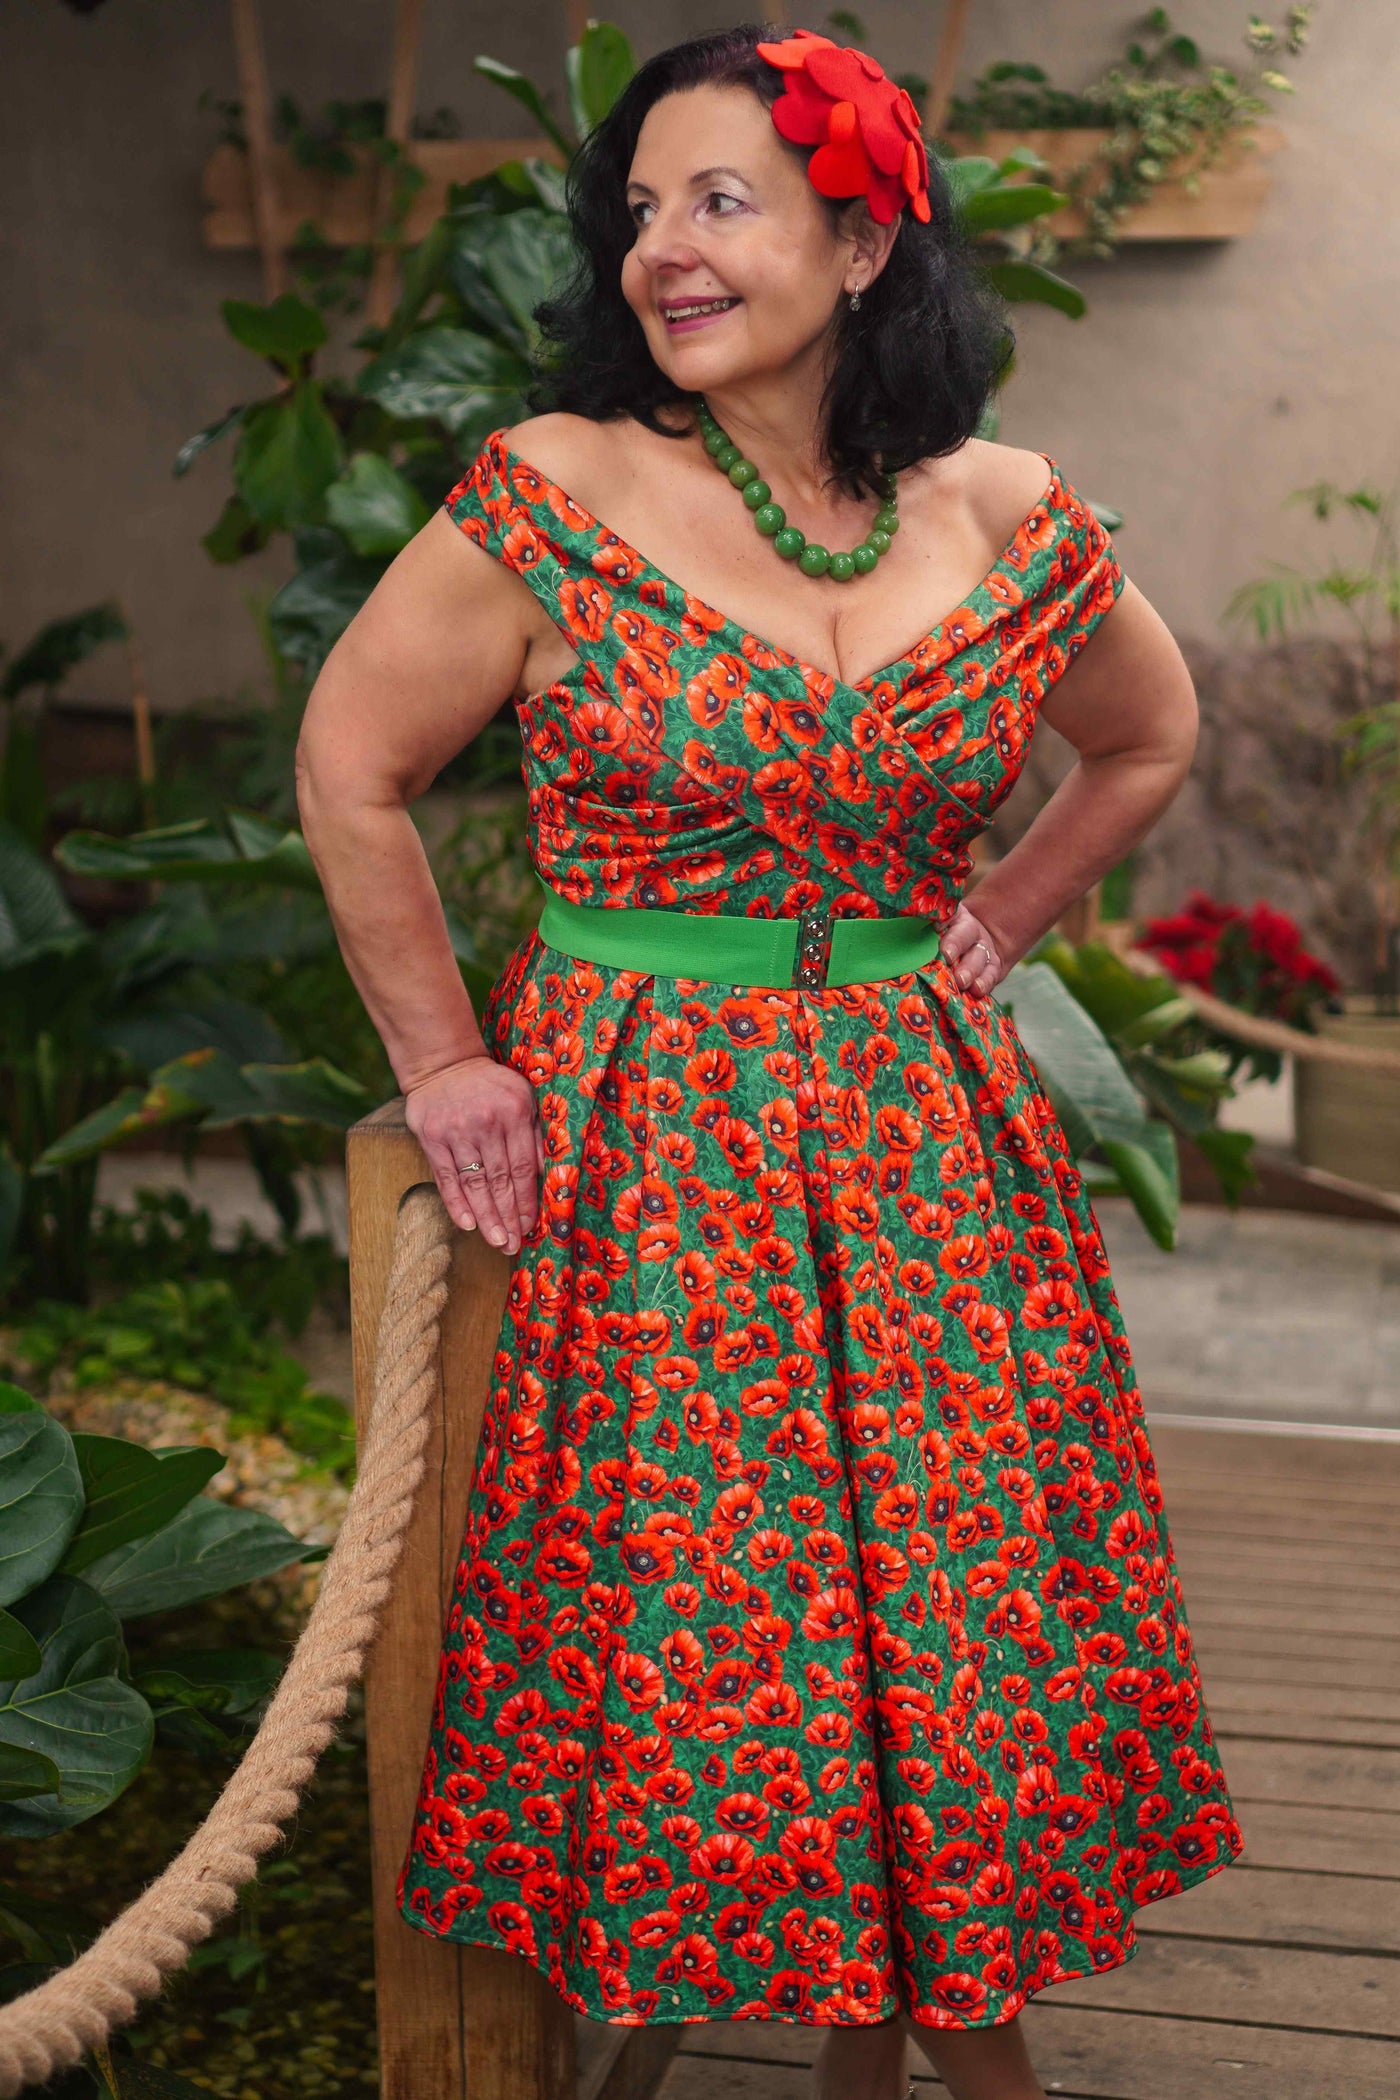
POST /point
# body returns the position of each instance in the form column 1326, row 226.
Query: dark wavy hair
column 913, row 369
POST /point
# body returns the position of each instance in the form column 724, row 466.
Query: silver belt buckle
column 813, row 953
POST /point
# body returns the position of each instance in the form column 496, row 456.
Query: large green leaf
column 287, row 331
column 597, row 68
column 999, row 204
column 75, row 1710
column 208, row 1087
column 24, row 800
column 209, row 1548
column 1019, row 279
column 234, row 534
column 1098, row 1106
column 288, row 456
column 34, row 916
column 1148, row 1173
column 156, row 1033
column 313, row 609
column 240, row 848
column 1128, row 1006
column 462, row 379
column 376, row 509
column 19, row 1651
column 1229, row 1153
column 131, row 1492
column 523, row 260
column 528, row 95
column 134, row 1112
column 58, row 648
column 25, row 1773
column 41, row 1493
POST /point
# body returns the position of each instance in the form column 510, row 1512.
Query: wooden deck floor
column 1278, row 1979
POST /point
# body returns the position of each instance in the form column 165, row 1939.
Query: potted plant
column 1163, row 146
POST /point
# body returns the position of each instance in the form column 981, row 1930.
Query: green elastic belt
column 803, row 953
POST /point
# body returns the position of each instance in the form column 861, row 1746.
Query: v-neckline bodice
column 915, row 655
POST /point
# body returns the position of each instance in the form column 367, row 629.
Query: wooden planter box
column 345, row 208
column 1348, row 1121
column 1226, row 205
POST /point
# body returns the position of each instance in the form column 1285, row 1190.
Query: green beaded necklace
column 771, row 519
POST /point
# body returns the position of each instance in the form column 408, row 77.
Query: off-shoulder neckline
column 1048, row 501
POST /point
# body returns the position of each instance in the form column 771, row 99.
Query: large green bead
column 742, row 473
column 865, row 558
column 880, row 541
column 813, row 560
column 789, row 542
column 756, row 494
column 729, row 457
column 887, row 519
column 841, row 568
column 715, row 440
column 770, row 520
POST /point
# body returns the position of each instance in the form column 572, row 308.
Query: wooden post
column 398, row 122
column 455, row 2023
column 945, row 65
column 257, row 121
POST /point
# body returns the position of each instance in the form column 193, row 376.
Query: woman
column 817, row 1652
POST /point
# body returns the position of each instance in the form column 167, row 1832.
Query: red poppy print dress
column 817, row 1647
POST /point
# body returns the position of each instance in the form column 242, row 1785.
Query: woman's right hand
column 482, row 1110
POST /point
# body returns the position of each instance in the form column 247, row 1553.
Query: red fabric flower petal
column 865, row 129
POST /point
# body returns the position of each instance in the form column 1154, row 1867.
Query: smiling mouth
column 676, row 312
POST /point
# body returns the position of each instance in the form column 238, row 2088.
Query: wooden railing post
column 455, row 2023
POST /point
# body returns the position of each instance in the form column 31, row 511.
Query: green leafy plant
column 98, row 1530
column 27, row 686
column 100, row 1533
column 1365, row 589
column 1121, row 1060
column 1163, row 106
column 84, row 1009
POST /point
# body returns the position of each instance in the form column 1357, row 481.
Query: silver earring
column 855, row 300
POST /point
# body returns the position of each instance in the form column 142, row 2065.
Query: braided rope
column 54, row 2025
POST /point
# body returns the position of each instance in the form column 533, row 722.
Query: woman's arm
column 1128, row 706
column 421, row 669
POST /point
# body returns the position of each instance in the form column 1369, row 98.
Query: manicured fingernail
column 497, row 1239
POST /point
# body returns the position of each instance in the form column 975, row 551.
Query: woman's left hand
column 972, row 954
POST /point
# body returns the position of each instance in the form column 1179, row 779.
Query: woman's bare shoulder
column 568, row 450
column 1003, row 484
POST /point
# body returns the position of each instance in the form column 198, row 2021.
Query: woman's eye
column 717, row 197
column 636, row 210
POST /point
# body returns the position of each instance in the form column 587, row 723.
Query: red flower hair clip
column 865, row 129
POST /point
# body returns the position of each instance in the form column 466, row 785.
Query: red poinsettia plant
column 1254, row 959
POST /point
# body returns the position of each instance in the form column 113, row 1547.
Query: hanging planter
column 1192, row 202
column 346, row 210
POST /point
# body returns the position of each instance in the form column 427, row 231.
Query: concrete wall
column 1205, row 382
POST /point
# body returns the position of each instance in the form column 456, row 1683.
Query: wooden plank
column 1227, row 202
column 1366, row 1617
column 1377, row 1703
column 1320, row 1840
column 1080, row 2054
column 1343, row 1912
column 1280, row 1986
column 1231, row 1722
column 633, row 2066
column 453, row 2020
column 343, row 207
column 1085, row 2055
column 1340, row 1777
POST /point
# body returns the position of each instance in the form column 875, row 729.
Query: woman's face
column 736, row 270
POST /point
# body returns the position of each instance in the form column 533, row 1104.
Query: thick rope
column 53, row 2026
column 1263, row 1034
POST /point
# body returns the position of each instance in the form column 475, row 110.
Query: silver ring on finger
column 469, row 1166
column 985, row 950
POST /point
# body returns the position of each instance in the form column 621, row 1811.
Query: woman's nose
column 663, row 243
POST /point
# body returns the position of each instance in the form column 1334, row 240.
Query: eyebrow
column 701, row 175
